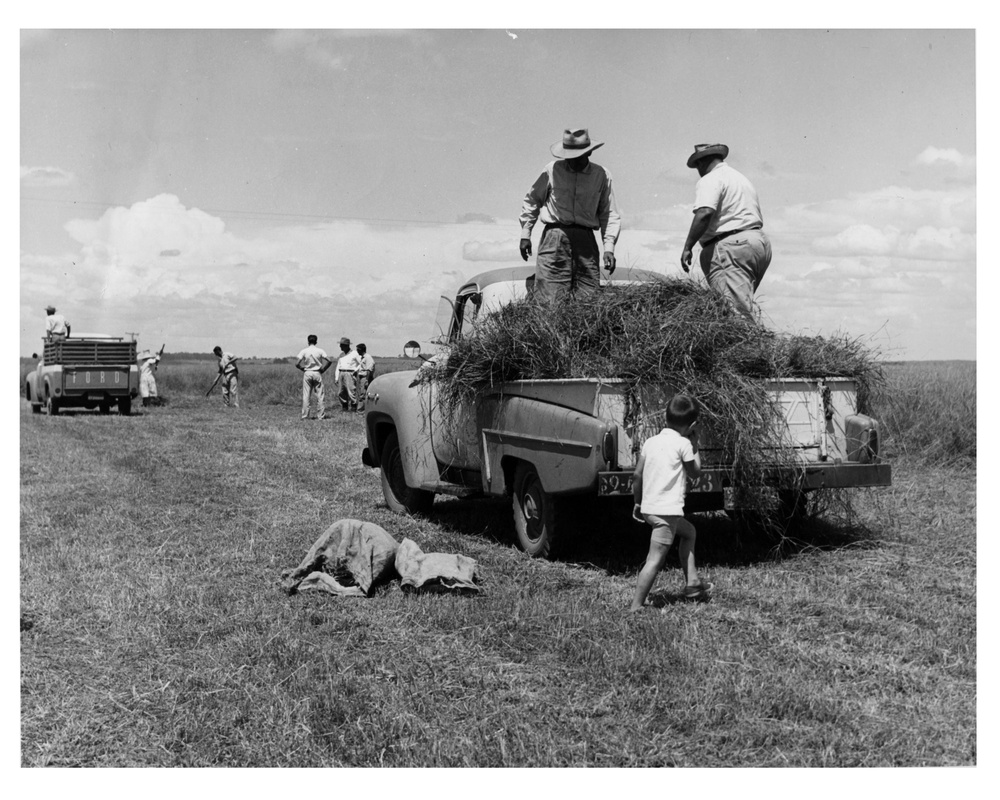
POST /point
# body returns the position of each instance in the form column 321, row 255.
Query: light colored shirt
column 55, row 324
column 312, row 358
column 148, row 365
column 561, row 195
column 347, row 363
column 733, row 199
column 664, row 479
column 365, row 363
column 227, row 364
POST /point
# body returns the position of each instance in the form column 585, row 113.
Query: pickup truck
column 546, row 443
column 86, row 371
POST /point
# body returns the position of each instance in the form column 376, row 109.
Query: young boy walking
column 659, row 486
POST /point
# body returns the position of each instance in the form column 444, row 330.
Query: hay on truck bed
column 662, row 338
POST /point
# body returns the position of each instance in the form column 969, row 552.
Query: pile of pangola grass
column 660, row 338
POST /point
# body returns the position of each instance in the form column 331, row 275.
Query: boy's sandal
column 700, row 590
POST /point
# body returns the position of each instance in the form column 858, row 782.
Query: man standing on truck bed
column 56, row 328
column 573, row 197
column 735, row 251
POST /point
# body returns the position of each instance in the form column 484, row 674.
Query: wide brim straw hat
column 574, row 144
column 707, row 150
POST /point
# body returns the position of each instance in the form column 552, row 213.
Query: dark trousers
column 568, row 262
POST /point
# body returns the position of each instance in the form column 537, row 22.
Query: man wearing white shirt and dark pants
column 735, row 251
column 347, row 365
column 313, row 362
column 363, row 376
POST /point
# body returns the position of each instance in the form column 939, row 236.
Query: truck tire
column 105, row 406
column 534, row 513
column 124, row 406
column 401, row 498
column 51, row 405
column 36, row 408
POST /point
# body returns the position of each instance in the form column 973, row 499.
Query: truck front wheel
column 534, row 513
column 398, row 496
column 36, row 408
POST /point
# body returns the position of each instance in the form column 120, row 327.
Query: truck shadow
column 602, row 535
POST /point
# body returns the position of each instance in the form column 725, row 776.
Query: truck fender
column 394, row 403
column 567, row 448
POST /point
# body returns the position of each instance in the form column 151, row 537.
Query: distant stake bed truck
column 545, row 442
column 87, row 371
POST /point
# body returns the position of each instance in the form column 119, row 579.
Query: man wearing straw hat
column 735, row 251
column 147, row 380
column 573, row 197
column 56, row 328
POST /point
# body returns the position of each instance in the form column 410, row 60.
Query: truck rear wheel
column 534, row 513
column 51, row 405
column 124, row 406
column 401, row 498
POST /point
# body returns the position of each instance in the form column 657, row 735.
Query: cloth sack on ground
column 434, row 572
column 347, row 560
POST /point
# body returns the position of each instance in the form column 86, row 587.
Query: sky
column 248, row 187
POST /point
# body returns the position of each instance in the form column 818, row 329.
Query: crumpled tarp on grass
column 351, row 556
column 434, row 572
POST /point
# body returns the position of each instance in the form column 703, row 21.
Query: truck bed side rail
column 89, row 351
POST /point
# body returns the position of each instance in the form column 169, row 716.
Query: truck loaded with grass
column 550, row 404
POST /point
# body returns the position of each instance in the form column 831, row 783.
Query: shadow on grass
column 601, row 534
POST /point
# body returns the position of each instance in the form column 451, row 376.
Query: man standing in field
column 229, row 374
column 363, row 376
column 573, row 197
column 735, row 251
column 147, row 379
column 313, row 361
column 56, row 328
column 347, row 365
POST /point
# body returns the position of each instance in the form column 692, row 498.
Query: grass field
column 154, row 631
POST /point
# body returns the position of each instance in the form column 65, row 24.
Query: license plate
column 617, row 483
column 611, row 483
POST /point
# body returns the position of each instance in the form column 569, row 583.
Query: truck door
column 454, row 438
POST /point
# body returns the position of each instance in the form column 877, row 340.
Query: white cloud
column 938, row 155
column 44, row 177
column 489, row 251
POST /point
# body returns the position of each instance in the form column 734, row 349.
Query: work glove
column 525, row 248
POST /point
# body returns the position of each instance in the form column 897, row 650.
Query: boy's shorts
column 666, row 527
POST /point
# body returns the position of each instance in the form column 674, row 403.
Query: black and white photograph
column 513, row 395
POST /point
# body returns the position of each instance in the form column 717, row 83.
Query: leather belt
column 714, row 239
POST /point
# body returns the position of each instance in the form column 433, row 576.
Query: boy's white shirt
column 664, row 479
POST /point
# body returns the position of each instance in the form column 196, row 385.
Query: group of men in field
column 353, row 371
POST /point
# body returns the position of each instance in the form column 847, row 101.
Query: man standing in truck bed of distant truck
column 56, row 328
